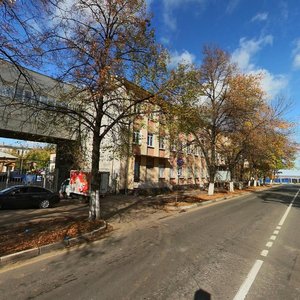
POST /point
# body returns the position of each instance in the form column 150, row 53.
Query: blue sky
column 262, row 36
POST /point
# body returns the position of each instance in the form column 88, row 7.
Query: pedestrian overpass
column 21, row 118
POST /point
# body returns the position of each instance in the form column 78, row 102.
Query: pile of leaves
column 36, row 234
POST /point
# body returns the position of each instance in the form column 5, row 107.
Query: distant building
column 7, row 162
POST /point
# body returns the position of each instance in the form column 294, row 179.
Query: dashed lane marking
column 245, row 287
column 264, row 252
column 269, row 244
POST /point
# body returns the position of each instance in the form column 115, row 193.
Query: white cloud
column 272, row 84
column 296, row 54
column 248, row 48
column 170, row 6
column 296, row 61
column 180, row 58
column 260, row 17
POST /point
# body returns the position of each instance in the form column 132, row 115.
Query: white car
column 65, row 189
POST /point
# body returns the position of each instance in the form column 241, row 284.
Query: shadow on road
column 282, row 194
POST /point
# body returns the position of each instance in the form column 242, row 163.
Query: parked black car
column 23, row 196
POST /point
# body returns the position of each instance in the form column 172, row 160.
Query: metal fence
column 12, row 178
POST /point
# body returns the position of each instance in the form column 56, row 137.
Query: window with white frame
column 150, row 139
column 190, row 172
column 161, row 143
column 180, row 172
column 188, row 148
column 172, row 173
column 161, row 171
column 180, row 147
column 136, row 138
column 137, row 108
column 173, row 147
column 151, row 116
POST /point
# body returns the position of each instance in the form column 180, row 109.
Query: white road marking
column 244, row 289
column 269, row 244
column 264, row 252
column 288, row 210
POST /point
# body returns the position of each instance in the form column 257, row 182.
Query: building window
column 190, row 172
column 172, row 173
column 19, row 93
column 161, row 143
column 151, row 116
column 137, row 164
column 44, row 99
column 150, row 140
column 161, row 171
column 136, row 137
column 137, row 108
column 188, row 149
column 180, row 147
column 180, row 172
column 150, row 162
column 6, row 91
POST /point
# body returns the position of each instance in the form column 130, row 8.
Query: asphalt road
column 247, row 247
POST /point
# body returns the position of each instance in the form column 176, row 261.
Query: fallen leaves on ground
column 36, row 234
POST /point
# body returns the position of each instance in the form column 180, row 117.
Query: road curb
column 207, row 202
column 66, row 243
column 194, row 205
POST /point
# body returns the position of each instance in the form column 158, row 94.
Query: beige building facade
column 155, row 162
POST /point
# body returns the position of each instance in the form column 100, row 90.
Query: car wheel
column 44, row 204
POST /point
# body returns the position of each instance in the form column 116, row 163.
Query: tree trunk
column 94, row 211
column 211, row 188
column 231, row 189
column 231, row 170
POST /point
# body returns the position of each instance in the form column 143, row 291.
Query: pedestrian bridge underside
column 21, row 119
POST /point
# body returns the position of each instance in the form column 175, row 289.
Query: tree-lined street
column 212, row 249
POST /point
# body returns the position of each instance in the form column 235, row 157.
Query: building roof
column 4, row 155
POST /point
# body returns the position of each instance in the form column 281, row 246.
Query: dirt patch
column 36, row 234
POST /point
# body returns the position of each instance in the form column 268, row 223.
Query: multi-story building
column 152, row 160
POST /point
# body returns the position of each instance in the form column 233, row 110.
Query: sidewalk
column 27, row 233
